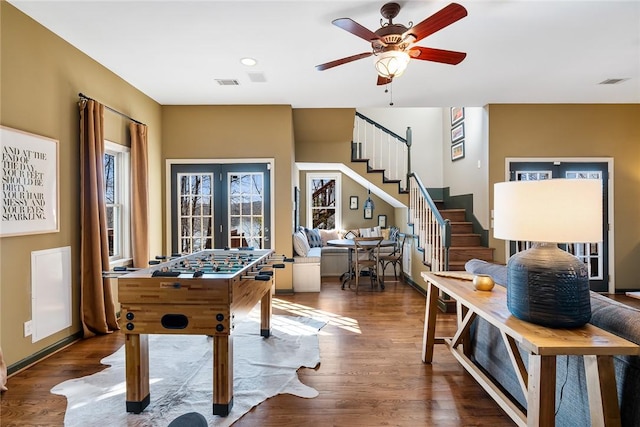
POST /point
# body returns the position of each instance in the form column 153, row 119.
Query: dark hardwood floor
column 370, row 374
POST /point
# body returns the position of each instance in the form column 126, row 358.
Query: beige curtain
column 139, row 195
column 97, row 309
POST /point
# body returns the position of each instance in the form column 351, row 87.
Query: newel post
column 408, row 155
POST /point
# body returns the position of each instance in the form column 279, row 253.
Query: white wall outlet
column 27, row 328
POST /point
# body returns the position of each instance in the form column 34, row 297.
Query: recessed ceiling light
column 249, row 62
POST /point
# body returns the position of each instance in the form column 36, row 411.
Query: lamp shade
column 552, row 210
column 392, row 63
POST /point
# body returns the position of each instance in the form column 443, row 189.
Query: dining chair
column 394, row 258
column 365, row 258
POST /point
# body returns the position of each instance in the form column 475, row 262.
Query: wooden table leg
column 603, row 394
column 429, row 335
column 265, row 314
column 542, row 391
column 222, row 374
column 136, row 347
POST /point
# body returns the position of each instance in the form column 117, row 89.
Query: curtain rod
column 83, row 96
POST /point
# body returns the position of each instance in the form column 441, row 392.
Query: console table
column 542, row 344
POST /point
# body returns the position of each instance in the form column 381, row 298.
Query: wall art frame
column 457, row 132
column 457, row 151
column 353, row 203
column 457, row 115
column 30, row 185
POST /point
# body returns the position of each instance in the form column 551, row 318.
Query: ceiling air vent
column 612, row 81
column 228, row 82
column 257, row 77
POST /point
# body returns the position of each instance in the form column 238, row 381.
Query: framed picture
column 382, row 221
column 296, row 208
column 457, row 151
column 29, row 183
column 353, row 203
column 368, row 213
column 457, row 115
column 457, row 132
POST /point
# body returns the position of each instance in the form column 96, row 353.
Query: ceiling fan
column 393, row 44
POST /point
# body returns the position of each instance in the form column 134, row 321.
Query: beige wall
column 41, row 76
column 578, row 131
column 230, row 132
column 323, row 134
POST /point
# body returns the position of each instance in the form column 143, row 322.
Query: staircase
column 445, row 236
column 465, row 244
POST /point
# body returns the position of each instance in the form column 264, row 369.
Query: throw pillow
column 385, row 233
column 327, row 235
column 351, row 234
column 300, row 243
column 313, row 237
column 393, row 233
column 370, row 232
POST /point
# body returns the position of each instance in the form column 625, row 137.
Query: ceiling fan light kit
column 391, row 63
column 393, row 45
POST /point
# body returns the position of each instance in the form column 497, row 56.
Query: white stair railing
column 383, row 149
column 433, row 231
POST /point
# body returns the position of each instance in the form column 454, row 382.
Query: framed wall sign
column 368, row 212
column 382, row 221
column 353, row 203
column 29, row 183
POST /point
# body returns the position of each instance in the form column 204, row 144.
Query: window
column 323, row 201
column 117, row 201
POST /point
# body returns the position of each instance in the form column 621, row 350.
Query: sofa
column 572, row 405
column 314, row 258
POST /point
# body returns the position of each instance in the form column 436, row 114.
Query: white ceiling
column 518, row 51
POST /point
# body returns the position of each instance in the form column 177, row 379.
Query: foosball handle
column 262, row 277
column 288, row 259
column 277, row 265
column 160, row 273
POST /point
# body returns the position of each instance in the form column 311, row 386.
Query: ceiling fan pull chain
column 389, row 89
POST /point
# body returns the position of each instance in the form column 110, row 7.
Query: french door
column 594, row 255
column 220, row 206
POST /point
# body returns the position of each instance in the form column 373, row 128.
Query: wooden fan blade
column 437, row 21
column 356, row 29
column 341, row 61
column 437, row 55
column 383, row 80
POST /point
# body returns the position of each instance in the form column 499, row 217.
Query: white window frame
column 338, row 178
column 121, row 153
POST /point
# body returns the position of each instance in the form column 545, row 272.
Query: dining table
column 350, row 244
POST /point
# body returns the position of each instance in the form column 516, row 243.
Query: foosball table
column 203, row 293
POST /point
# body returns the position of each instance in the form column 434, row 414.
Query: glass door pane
column 195, row 211
column 246, row 209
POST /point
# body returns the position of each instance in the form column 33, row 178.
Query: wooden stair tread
column 470, row 247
